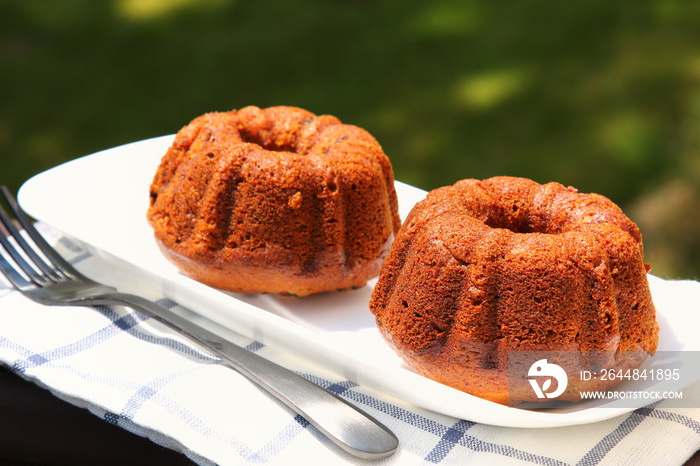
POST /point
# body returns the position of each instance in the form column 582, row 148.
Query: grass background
column 603, row 95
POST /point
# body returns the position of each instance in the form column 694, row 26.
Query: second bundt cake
column 274, row 200
column 487, row 278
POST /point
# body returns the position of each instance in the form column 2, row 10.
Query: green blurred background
column 602, row 95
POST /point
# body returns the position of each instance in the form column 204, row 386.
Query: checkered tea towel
column 136, row 374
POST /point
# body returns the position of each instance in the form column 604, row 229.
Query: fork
column 38, row 271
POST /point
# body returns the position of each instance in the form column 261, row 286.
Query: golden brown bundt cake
column 486, row 269
column 274, row 200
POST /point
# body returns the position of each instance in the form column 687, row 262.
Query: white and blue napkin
column 134, row 373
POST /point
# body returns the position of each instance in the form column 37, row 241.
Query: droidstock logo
column 545, row 372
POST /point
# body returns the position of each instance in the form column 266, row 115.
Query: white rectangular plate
column 101, row 200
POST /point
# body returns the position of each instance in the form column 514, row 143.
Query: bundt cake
column 274, row 200
column 486, row 278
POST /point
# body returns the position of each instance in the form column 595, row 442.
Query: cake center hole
column 268, row 143
column 515, row 220
column 510, row 224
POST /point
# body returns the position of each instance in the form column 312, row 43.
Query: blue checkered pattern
column 135, row 374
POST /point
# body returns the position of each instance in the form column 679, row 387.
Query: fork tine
column 29, row 271
column 15, row 278
column 10, row 231
column 56, row 262
column 28, row 250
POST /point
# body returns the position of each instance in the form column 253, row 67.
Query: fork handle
column 351, row 429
